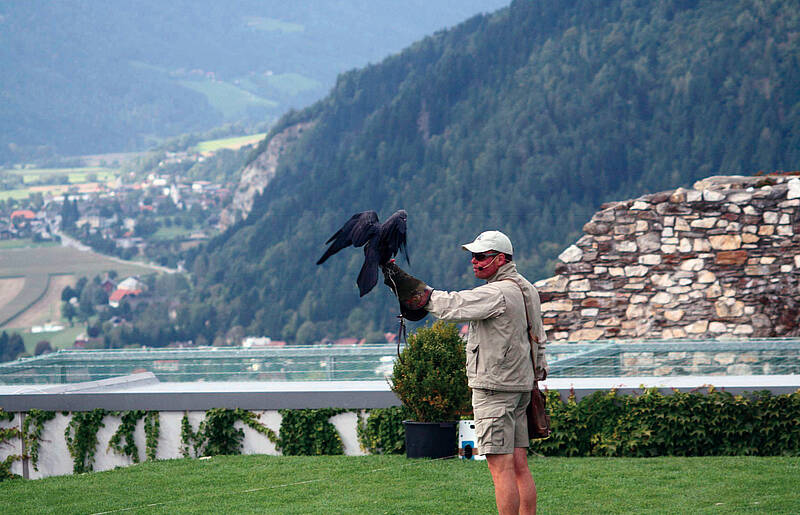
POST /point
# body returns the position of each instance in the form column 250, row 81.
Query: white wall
column 55, row 460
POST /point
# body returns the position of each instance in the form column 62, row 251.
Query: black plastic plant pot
column 431, row 439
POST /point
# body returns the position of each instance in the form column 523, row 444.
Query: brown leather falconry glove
column 412, row 293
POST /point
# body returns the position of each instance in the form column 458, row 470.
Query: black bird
column 381, row 243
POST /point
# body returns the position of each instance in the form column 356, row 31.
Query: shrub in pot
column 430, row 380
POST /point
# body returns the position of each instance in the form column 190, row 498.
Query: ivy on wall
column 6, row 434
column 152, row 424
column 127, row 429
column 32, row 429
column 382, row 431
column 308, row 432
column 651, row 424
column 81, row 437
column 681, row 424
column 217, row 433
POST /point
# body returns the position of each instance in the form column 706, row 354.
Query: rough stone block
column 704, row 223
column 705, row 277
column 580, row 285
column 717, row 327
column 695, row 264
column 650, row 259
column 727, row 307
column 731, row 257
column 725, row 241
column 793, row 190
column 557, row 305
column 636, row 271
column 770, row 217
column 674, row 315
column 596, row 228
column 699, row 327
column 586, row 335
column 571, row 254
column 712, row 196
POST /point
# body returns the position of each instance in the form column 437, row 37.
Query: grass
column 61, row 260
column 291, row 83
column 17, row 194
column 37, row 263
column 393, row 484
column 58, row 339
column 26, row 243
column 230, row 100
column 74, row 175
column 229, row 143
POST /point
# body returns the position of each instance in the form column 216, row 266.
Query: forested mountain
column 82, row 77
column 524, row 120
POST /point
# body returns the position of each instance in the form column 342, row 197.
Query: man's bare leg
column 506, row 494
column 525, row 484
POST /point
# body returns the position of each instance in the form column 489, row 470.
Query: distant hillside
column 525, row 120
column 92, row 77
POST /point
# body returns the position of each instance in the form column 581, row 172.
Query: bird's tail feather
column 367, row 277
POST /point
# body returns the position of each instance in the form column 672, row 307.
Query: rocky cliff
column 257, row 174
column 721, row 260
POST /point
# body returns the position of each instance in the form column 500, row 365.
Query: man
column 499, row 367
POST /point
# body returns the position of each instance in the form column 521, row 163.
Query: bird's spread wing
column 356, row 232
column 393, row 235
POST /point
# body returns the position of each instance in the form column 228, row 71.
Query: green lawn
column 393, row 484
column 58, row 340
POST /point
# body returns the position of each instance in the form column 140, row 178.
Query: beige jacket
column 498, row 349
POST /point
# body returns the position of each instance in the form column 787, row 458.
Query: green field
column 230, row 143
column 39, row 266
column 26, row 243
column 58, row 339
column 18, row 194
column 62, row 260
column 227, row 98
column 75, row 175
column 291, row 83
column 394, row 484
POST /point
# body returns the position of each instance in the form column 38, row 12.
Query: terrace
column 188, row 382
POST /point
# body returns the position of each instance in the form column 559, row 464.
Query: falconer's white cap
column 490, row 240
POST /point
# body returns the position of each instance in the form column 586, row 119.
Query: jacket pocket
column 472, row 359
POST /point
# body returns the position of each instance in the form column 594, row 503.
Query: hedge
column 712, row 423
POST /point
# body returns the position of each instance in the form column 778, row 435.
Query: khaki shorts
column 500, row 421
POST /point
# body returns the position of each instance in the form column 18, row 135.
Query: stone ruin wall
column 721, row 261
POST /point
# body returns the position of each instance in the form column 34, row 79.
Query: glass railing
column 608, row 358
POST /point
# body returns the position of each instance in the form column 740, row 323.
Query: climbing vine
column 32, row 429
column 151, row 432
column 383, row 432
column 188, row 437
column 217, row 434
column 8, row 433
column 308, row 432
column 81, row 437
column 125, row 433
